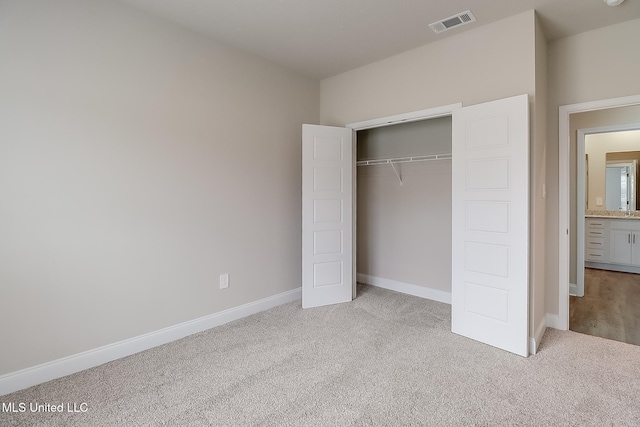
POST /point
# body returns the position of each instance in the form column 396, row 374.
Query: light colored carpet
column 383, row 359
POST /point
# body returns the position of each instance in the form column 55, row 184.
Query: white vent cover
column 453, row 21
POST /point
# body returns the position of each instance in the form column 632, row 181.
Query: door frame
column 564, row 212
column 581, row 187
column 412, row 116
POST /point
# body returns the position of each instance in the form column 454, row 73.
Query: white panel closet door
column 490, row 223
column 327, row 215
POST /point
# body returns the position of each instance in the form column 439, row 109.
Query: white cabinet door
column 635, row 248
column 624, row 246
column 620, row 246
column 327, row 215
column 490, row 223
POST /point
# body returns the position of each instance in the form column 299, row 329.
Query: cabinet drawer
column 594, row 233
column 594, row 254
column 595, row 223
column 595, row 242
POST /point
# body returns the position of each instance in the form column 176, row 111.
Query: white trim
column 429, row 113
column 78, row 362
column 573, row 289
column 406, row 288
column 534, row 341
column 613, row 267
column 578, row 288
column 564, row 111
column 412, row 116
column 553, row 321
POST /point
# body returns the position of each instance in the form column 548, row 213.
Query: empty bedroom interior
column 140, row 160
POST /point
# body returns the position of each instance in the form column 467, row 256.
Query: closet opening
column 449, row 229
column 403, row 207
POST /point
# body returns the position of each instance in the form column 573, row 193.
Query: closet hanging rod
column 404, row 159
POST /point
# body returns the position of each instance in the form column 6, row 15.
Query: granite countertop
column 612, row 214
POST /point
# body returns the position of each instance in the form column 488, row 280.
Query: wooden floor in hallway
column 610, row 307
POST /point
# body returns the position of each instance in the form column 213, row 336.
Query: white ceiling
column 321, row 38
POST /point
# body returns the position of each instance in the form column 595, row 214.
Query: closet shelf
column 404, row 160
column 396, row 160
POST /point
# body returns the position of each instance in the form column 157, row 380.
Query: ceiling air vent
column 453, row 21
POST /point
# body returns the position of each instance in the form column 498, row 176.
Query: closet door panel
column 490, row 223
column 487, row 216
column 327, row 215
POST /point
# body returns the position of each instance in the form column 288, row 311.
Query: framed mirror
column 611, row 170
column 620, row 188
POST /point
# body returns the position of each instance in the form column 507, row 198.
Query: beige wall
column 538, row 188
column 594, row 65
column 404, row 231
column 138, row 162
column 491, row 62
column 419, row 138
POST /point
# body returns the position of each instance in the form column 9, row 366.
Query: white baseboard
column 406, row 288
column 573, row 289
column 553, row 321
column 534, row 342
column 28, row 377
column 613, row 267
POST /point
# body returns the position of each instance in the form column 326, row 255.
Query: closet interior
column 403, row 206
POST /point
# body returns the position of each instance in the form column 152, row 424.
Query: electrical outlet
column 224, row 281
